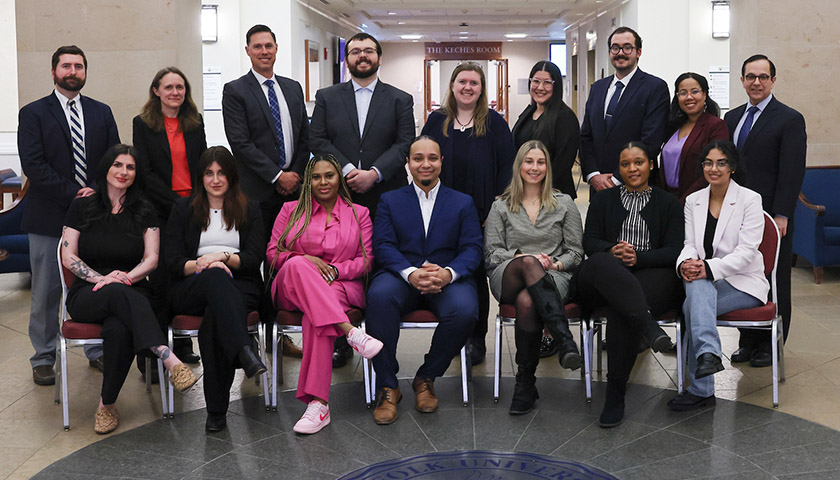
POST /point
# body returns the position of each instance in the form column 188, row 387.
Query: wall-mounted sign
column 464, row 51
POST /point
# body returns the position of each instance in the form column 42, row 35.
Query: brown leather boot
column 425, row 399
column 386, row 405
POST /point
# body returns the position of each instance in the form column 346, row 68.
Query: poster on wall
column 719, row 85
column 212, row 80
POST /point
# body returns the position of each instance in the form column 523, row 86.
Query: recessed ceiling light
column 516, row 35
column 392, row 13
column 411, row 37
column 463, row 33
column 400, row 23
column 463, row 38
column 415, row 41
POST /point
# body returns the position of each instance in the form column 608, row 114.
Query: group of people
column 319, row 216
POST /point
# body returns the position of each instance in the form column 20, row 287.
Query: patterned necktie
column 745, row 128
column 80, row 164
column 278, row 123
column 613, row 103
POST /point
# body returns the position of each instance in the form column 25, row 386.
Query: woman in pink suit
column 320, row 251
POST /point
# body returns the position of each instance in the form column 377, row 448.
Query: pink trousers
column 299, row 286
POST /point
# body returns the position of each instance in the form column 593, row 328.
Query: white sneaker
column 316, row 417
column 363, row 343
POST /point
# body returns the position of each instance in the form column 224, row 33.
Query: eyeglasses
column 358, row 51
column 694, row 92
column 750, row 78
column 627, row 49
column 720, row 164
column 536, row 82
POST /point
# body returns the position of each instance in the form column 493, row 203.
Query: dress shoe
column 707, row 364
column 43, row 375
column 184, row 351
column 341, row 355
column 686, row 401
column 316, row 417
column 743, row 354
column 216, row 422
column 250, row 362
column 386, row 405
column 425, row 400
column 548, row 347
column 658, row 340
column 525, row 395
column 97, row 364
column 478, row 350
column 106, row 420
column 182, row 378
column 290, row 349
column 363, row 343
column 761, row 359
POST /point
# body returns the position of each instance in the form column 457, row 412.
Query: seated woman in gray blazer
column 721, row 265
column 532, row 244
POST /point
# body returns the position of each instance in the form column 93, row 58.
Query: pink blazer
column 346, row 254
column 739, row 231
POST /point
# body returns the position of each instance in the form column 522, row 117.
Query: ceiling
column 461, row 20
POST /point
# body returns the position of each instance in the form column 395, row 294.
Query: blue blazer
column 774, row 154
column 642, row 115
column 454, row 238
column 46, row 157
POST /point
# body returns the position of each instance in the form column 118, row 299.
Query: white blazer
column 739, row 231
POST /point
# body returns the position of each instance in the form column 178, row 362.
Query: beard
column 71, row 83
column 354, row 70
column 426, row 182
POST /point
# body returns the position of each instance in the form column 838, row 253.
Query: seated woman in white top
column 721, row 265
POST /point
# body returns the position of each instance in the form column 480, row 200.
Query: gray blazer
column 558, row 233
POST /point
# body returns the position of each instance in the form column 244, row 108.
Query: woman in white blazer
column 720, row 264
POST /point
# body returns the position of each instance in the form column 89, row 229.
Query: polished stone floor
column 732, row 440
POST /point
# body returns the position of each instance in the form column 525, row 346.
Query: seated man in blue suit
column 427, row 243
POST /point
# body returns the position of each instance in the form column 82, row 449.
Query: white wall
column 8, row 88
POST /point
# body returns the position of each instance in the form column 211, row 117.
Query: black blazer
column 46, row 157
column 389, row 129
column 663, row 215
column 156, row 160
column 642, row 114
column 249, row 127
column 562, row 141
column 774, row 154
column 183, row 234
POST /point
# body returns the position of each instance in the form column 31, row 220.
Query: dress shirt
column 427, row 206
column 63, row 101
column 610, row 91
column 216, row 237
column 761, row 106
column 285, row 118
column 634, row 229
column 363, row 96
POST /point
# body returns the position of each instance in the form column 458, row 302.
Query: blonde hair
column 481, row 106
column 304, row 208
column 515, row 191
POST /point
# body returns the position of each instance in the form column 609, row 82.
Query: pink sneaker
column 363, row 343
column 316, row 417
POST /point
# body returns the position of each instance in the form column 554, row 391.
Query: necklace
column 464, row 125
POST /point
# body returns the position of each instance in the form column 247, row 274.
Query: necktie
column 278, row 124
column 79, row 162
column 613, row 103
column 745, row 128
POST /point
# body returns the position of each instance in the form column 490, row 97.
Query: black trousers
column 483, row 291
column 604, row 281
column 224, row 329
column 129, row 326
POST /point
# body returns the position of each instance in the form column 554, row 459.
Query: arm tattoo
column 65, row 244
column 162, row 351
column 81, row 270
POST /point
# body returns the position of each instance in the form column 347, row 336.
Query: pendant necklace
column 464, row 126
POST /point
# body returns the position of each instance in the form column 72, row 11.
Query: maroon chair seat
column 764, row 313
column 81, row 331
column 193, row 322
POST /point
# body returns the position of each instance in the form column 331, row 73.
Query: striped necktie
column 274, row 105
column 80, row 164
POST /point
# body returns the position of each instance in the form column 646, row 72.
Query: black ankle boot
column 654, row 336
column 216, row 422
column 613, row 413
column 527, row 358
column 551, row 310
column 249, row 362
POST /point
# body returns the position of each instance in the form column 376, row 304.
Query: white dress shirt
column 63, row 101
column 285, row 119
column 761, row 106
column 427, row 206
column 363, row 96
column 610, row 92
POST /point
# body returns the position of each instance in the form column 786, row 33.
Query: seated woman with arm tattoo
column 111, row 243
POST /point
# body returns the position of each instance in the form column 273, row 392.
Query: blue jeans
column 704, row 301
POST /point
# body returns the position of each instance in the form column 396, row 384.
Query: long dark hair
column 555, row 104
column 677, row 117
column 733, row 158
column 135, row 207
column 152, row 114
column 235, row 210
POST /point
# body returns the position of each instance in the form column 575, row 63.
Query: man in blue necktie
column 772, row 141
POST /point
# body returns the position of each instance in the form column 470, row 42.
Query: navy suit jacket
column 389, row 129
column 774, row 155
column 249, row 127
column 641, row 115
column 454, row 239
column 46, row 156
